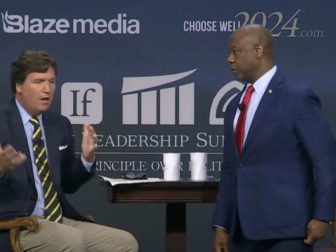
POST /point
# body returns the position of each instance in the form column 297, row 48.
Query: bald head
column 258, row 35
column 251, row 52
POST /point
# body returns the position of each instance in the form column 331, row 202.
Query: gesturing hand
column 10, row 158
column 89, row 143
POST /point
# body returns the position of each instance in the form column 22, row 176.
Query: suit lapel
column 271, row 92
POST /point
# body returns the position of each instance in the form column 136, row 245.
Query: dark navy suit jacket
column 286, row 173
column 17, row 188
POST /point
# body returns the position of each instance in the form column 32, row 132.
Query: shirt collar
column 261, row 84
column 24, row 114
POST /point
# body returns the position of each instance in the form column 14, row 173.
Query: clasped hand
column 316, row 230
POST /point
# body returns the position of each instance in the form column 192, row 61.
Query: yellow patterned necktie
column 52, row 207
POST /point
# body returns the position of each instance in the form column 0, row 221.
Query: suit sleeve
column 74, row 174
column 316, row 136
column 225, row 205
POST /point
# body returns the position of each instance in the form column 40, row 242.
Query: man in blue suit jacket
column 33, row 83
column 278, row 193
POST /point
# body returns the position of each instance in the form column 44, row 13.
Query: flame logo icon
column 10, row 21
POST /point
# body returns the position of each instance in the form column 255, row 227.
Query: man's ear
column 18, row 88
column 259, row 49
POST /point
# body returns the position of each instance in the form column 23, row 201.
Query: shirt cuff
column 224, row 229
column 86, row 164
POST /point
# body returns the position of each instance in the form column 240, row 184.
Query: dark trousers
column 240, row 243
column 286, row 245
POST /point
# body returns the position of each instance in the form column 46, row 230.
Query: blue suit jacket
column 17, row 188
column 285, row 175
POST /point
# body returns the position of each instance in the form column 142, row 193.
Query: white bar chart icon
column 151, row 100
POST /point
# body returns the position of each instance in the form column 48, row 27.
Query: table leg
column 176, row 227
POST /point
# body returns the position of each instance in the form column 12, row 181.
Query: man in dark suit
column 277, row 188
column 38, row 165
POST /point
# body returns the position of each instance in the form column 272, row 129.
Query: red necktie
column 239, row 132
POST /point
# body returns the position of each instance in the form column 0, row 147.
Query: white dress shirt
column 260, row 87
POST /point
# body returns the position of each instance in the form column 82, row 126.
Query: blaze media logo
column 150, row 100
column 82, row 102
column 120, row 24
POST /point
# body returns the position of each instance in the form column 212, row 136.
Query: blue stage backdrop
column 152, row 77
